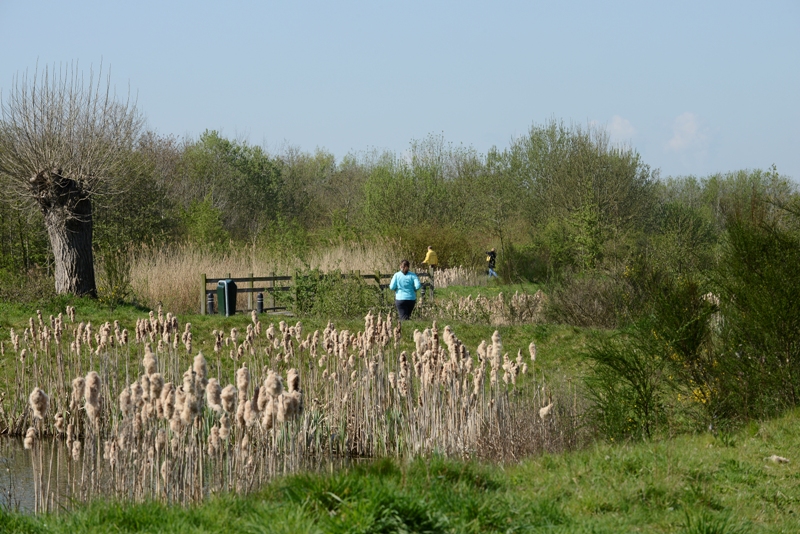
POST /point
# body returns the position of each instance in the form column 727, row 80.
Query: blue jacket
column 405, row 286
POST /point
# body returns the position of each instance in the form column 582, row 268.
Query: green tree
column 242, row 181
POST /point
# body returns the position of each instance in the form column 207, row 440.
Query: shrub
column 333, row 294
column 759, row 368
column 660, row 372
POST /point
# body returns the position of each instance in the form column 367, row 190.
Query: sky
column 696, row 87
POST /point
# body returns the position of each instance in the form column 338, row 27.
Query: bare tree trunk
column 68, row 218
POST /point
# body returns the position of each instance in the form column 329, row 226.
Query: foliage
column 114, row 282
column 760, row 286
column 335, row 294
column 659, row 372
column 241, row 181
column 202, row 223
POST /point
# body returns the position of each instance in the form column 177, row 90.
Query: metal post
column 260, row 303
column 210, row 304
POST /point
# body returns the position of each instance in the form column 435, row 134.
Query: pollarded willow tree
column 64, row 138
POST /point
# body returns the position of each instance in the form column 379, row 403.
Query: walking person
column 431, row 259
column 491, row 261
column 405, row 286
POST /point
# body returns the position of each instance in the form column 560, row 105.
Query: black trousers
column 404, row 308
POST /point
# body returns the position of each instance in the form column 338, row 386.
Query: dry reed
column 170, row 275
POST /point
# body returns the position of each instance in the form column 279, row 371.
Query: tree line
column 560, row 200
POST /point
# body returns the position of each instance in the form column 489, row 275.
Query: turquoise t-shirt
column 405, row 286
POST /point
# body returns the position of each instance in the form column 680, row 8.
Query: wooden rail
column 276, row 284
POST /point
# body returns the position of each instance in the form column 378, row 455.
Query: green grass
column 492, row 289
column 690, row 484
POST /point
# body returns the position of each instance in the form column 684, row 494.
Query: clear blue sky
column 697, row 87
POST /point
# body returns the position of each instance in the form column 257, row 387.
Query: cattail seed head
column 39, row 402
column 59, row 423
column 273, row 384
column 228, row 397
column 214, row 395
column 30, row 435
column 224, row 427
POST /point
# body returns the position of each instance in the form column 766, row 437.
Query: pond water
column 19, row 488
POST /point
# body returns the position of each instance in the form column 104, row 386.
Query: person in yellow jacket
column 431, row 260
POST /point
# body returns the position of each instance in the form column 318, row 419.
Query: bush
column 590, row 300
column 759, row 368
column 29, row 288
column 333, row 294
column 660, row 372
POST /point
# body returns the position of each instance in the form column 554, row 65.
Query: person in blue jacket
column 405, row 286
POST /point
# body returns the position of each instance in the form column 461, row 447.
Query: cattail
column 78, row 386
column 59, row 423
column 161, row 440
column 144, row 382
column 532, row 351
column 190, row 405
column 545, row 411
column 30, row 435
column 39, row 402
column 224, row 427
column 22, row 355
column 228, row 397
column 136, row 394
column 156, row 386
column 92, row 397
column 199, row 367
column 214, row 395
column 273, row 384
column 242, row 381
column 251, row 410
column 168, row 400
column 70, row 434
column 175, row 424
column 263, row 397
column 125, row 404
column 213, row 440
column 76, row 450
column 149, row 361
column 165, row 471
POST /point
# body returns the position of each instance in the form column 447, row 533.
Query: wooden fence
column 270, row 285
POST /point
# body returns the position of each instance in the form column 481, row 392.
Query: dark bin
column 226, row 297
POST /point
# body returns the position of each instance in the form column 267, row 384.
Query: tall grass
column 170, row 275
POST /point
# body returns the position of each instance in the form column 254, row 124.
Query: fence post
column 202, row 294
column 272, row 293
column 250, row 294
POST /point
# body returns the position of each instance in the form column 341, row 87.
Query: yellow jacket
column 430, row 258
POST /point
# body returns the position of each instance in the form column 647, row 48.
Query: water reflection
column 20, row 488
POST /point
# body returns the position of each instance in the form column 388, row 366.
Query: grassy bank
column 692, row 484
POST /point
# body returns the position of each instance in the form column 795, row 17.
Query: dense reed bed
column 502, row 309
column 142, row 416
column 170, row 275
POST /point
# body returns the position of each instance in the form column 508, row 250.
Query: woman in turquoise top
column 405, row 286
